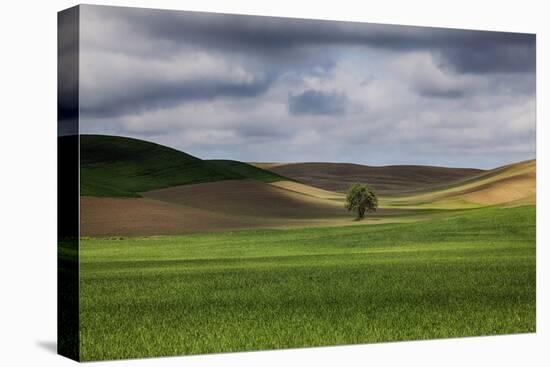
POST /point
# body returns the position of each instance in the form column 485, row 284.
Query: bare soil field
column 142, row 216
column 223, row 206
column 249, row 198
column 385, row 180
column 216, row 206
column 309, row 190
column 520, row 187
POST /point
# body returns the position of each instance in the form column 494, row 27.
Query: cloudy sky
column 276, row 89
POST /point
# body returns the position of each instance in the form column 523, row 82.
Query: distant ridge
column 386, row 180
column 510, row 185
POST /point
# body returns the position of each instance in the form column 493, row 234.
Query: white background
column 28, row 183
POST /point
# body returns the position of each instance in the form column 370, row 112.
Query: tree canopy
column 361, row 198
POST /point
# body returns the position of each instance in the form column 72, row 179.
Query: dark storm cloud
column 276, row 46
column 515, row 54
column 151, row 95
column 464, row 50
column 312, row 102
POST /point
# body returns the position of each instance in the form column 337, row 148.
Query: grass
column 124, row 167
column 471, row 273
column 248, row 171
column 113, row 166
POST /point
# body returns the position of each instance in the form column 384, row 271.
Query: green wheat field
column 473, row 274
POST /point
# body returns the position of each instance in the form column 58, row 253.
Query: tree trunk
column 361, row 212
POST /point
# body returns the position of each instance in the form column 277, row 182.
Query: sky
column 265, row 89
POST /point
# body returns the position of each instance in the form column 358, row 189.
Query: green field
column 114, row 166
column 262, row 261
column 468, row 273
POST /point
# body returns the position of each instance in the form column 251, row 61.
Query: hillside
column 513, row 184
column 247, row 170
column 386, row 180
column 133, row 187
column 248, row 198
column 113, row 166
column 206, row 207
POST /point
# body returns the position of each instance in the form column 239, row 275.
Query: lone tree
column 361, row 198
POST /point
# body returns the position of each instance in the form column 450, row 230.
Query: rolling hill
column 386, row 180
column 248, row 171
column 513, row 184
column 112, row 166
column 134, row 187
column 207, row 207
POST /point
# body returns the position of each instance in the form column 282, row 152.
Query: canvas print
column 234, row 183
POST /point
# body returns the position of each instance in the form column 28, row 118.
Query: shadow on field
column 50, row 346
